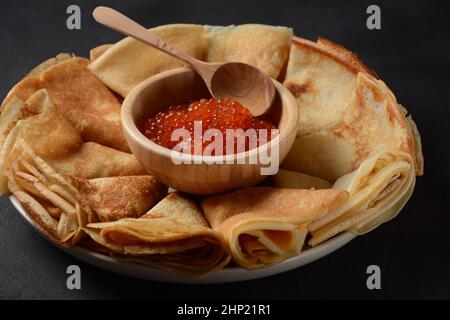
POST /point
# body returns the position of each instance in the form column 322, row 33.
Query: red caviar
column 219, row 114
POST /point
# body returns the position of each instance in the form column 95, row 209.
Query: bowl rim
column 130, row 126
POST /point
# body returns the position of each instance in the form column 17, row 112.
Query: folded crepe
column 80, row 96
column 371, row 121
column 378, row 190
column 263, row 46
column 86, row 102
column 263, row 226
column 31, row 83
column 115, row 198
column 52, row 137
column 129, row 62
column 98, row 51
column 173, row 235
column 125, row 64
column 323, row 80
column 63, row 205
column 351, row 130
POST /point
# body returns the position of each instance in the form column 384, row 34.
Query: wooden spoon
column 235, row 80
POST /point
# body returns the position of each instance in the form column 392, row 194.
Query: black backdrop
column 411, row 53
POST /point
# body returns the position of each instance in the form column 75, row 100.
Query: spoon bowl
column 245, row 84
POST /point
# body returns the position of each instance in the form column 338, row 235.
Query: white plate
column 228, row 274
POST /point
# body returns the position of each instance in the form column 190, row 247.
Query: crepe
column 378, row 190
column 98, row 51
column 54, row 139
column 48, row 198
column 263, row 226
column 370, row 122
column 114, row 198
column 297, row 180
column 83, row 99
column 173, row 235
column 63, row 205
column 30, row 84
column 86, row 102
column 262, row 46
column 323, row 83
column 352, row 132
column 129, row 62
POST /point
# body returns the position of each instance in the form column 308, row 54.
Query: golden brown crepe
column 86, row 102
column 114, row 198
column 263, row 46
column 83, row 99
column 36, row 72
column 30, row 84
column 129, row 62
column 173, row 235
column 262, row 226
column 54, row 139
column 48, row 198
column 63, row 205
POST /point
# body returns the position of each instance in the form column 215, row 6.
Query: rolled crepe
column 265, row 47
column 173, row 235
column 63, row 205
column 129, row 62
column 54, row 139
column 378, row 190
column 263, row 226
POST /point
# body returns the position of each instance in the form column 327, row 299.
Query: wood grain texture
column 180, row 85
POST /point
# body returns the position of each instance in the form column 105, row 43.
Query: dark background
column 411, row 53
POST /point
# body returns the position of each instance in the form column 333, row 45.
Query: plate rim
column 225, row 275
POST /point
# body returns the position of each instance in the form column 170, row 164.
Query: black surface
column 411, row 54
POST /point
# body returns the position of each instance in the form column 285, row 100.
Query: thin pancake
column 173, row 235
column 129, row 62
column 263, row 226
column 54, row 139
column 377, row 193
column 31, row 83
column 372, row 121
column 70, row 203
column 115, row 198
column 86, row 102
column 98, row 51
column 262, row 46
column 292, row 179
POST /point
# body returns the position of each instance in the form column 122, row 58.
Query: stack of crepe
column 63, row 155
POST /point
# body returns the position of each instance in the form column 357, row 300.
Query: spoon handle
column 121, row 23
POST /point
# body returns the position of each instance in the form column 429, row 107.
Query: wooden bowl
column 182, row 85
